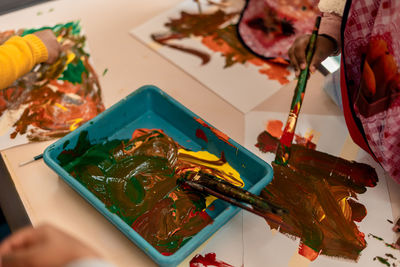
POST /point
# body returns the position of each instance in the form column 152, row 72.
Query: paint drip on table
column 218, row 32
column 52, row 100
column 320, row 192
column 137, row 180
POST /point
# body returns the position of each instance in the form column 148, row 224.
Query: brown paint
column 137, row 180
column 210, row 27
column 320, row 192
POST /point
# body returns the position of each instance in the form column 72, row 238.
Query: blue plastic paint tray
column 149, row 107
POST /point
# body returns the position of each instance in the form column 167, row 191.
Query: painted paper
column 201, row 37
column 51, row 100
column 367, row 205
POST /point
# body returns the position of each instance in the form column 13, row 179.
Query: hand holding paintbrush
column 283, row 152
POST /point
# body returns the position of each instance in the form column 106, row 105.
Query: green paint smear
column 376, row 237
column 382, row 260
column 73, row 25
column 105, row 71
column 74, row 72
column 139, row 184
column 390, row 245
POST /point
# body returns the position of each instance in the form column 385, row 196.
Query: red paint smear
column 306, row 142
column 209, row 259
column 274, row 127
column 307, row 252
column 265, row 143
column 218, row 133
column 200, row 134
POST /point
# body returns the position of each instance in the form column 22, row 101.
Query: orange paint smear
column 308, row 252
column 276, row 72
column 274, row 127
column 277, row 67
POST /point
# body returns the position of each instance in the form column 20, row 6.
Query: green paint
column 135, row 191
column 376, row 237
column 74, row 27
column 39, row 13
column 51, row 10
column 137, row 180
column 74, row 72
column 390, row 245
column 105, row 71
column 65, row 144
column 382, row 260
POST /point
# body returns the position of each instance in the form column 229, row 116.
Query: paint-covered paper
column 247, row 239
column 201, row 38
column 52, row 99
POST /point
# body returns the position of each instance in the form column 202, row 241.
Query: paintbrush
column 234, row 195
column 32, row 160
column 283, row 151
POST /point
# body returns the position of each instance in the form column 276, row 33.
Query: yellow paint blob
column 208, row 158
column 75, row 123
column 204, row 158
column 71, row 56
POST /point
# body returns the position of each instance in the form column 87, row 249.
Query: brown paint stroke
column 320, row 192
column 218, row 37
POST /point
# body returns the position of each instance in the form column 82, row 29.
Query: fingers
column 297, row 53
column 51, row 43
column 21, row 258
column 21, row 239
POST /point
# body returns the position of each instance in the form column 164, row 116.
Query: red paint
column 209, row 259
column 200, row 134
column 266, row 142
column 220, row 135
column 308, row 252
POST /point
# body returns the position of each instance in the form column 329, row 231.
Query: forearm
column 330, row 26
column 18, row 55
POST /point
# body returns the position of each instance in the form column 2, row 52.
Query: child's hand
column 51, row 43
column 297, row 52
column 43, row 246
